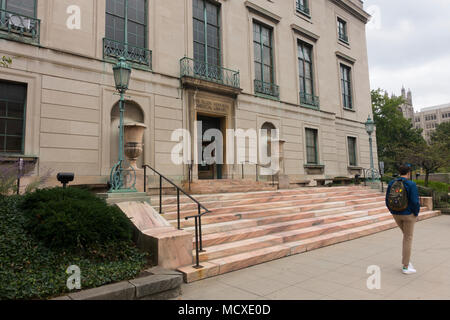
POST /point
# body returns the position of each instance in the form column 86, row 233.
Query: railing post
column 160, row 194
column 197, row 258
column 178, row 208
column 200, row 228
column 242, row 171
column 256, row 166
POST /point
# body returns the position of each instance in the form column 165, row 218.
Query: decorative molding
column 306, row 33
column 345, row 57
column 262, row 12
column 353, row 9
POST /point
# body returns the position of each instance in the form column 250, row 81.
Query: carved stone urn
column 134, row 134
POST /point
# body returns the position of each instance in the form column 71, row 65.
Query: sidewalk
column 340, row 271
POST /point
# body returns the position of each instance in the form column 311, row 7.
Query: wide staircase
column 245, row 229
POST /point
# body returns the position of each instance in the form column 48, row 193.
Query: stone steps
column 224, row 220
column 204, row 198
column 229, row 185
column 288, row 243
column 255, row 199
column 305, row 205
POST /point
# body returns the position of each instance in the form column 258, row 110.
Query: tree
column 5, row 61
column 394, row 133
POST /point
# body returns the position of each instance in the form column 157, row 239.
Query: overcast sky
column 409, row 44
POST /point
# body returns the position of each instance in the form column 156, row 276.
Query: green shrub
column 30, row 270
column 436, row 186
column 69, row 218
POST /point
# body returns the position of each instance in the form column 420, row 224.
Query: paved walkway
column 340, row 271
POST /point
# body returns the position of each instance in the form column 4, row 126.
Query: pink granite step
column 289, row 246
column 320, row 210
column 304, row 204
column 256, row 199
column 263, row 194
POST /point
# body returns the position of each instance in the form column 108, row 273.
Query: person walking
column 402, row 200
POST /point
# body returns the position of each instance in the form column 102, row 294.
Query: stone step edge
column 278, row 237
column 261, row 220
column 327, row 226
column 220, row 266
column 287, row 203
column 241, row 214
column 309, row 190
column 157, row 284
column 172, row 207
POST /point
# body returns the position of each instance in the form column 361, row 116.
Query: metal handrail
column 115, row 49
column 209, row 72
column 198, row 217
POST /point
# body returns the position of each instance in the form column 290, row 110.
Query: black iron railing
column 209, row 72
column 303, row 8
column 19, row 27
column 116, row 49
column 198, row 217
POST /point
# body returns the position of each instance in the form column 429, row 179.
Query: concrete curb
column 157, row 284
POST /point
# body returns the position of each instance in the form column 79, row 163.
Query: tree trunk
column 427, row 175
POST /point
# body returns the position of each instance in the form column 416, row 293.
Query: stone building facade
column 429, row 118
column 295, row 65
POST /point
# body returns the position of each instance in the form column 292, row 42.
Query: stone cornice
column 345, row 57
column 262, row 12
column 308, row 34
column 353, row 9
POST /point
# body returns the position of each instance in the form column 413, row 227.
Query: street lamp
column 122, row 73
column 370, row 128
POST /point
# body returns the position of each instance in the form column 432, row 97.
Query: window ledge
column 303, row 14
column 266, row 96
column 308, row 106
column 314, row 166
column 348, row 109
column 8, row 157
column 354, row 168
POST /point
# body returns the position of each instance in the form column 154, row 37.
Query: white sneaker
column 409, row 270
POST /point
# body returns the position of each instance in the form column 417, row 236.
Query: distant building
column 429, row 118
column 407, row 107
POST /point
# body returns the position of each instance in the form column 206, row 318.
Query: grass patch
column 436, row 186
column 29, row 269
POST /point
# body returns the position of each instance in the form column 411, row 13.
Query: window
column 22, row 7
column 12, row 116
column 263, row 51
column 311, row 146
column 305, row 70
column 342, row 30
column 126, row 31
column 129, row 16
column 346, row 87
column 206, row 38
column 352, row 151
column 303, row 6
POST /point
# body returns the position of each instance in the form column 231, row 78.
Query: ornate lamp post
column 122, row 73
column 370, row 128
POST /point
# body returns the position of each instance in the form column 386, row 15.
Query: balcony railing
column 302, row 8
column 19, row 27
column 208, row 72
column 116, row 49
column 309, row 100
column 267, row 88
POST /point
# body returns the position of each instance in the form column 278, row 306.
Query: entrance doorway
column 214, row 170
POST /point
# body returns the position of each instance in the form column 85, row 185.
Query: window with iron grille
column 22, row 7
column 126, row 22
column 207, row 38
column 311, row 146
column 346, row 87
column 263, row 60
column 12, row 117
column 342, row 30
column 352, row 151
column 305, row 70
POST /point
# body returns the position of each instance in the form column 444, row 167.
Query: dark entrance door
column 209, row 171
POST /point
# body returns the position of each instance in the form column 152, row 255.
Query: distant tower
column 407, row 107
